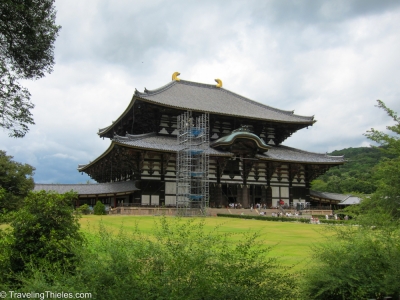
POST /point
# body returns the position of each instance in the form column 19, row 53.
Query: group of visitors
column 287, row 214
column 259, row 206
column 235, row 205
column 314, row 220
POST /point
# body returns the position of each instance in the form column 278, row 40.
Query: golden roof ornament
column 219, row 83
column 175, row 76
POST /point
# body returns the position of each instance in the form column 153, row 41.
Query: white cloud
column 328, row 59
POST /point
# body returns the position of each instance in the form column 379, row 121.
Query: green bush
column 84, row 209
column 265, row 218
column 283, row 219
column 182, row 261
column 355, row 263
column 99, row 208
column 44, row 229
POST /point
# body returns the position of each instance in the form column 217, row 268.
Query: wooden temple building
column 247, row 162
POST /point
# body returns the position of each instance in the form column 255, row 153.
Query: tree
column 363, row 262
column 27, row 35
column 387, row 172
column 45, row 230
column 15, row 180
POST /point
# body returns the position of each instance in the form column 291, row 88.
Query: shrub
column 356, row 263
column 84, row 209
column 181, row 261
column 44, row 229
column 99, row 208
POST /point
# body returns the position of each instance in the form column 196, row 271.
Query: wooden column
column 221, row 164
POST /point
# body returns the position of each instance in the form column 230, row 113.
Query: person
column 251, row 207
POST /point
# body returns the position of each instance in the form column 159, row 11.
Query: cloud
column 331, row 59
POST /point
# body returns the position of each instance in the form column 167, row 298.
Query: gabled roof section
column 200, row 97
column 238, row 134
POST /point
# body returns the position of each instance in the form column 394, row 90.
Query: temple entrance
column 229, row 193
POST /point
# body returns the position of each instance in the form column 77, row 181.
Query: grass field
column 290, row 241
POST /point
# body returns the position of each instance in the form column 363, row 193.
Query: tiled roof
column 151, row 141
column 329, row 196
column 351, row 200
column 343, row 198
column 89, row 189
column 159, row 143
column 201, row 97
column 283, row 153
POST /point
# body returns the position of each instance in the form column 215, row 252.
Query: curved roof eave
column 305, row 122
column 108, row 128
column 82, row 168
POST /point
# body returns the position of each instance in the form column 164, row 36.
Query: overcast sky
column 331, row 59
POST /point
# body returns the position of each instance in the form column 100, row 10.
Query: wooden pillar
column 307, row 182
column 245, row 196
column 115, row 200
column 162, row 175
column 221, row 163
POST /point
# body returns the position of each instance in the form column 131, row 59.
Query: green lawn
column 291, row 241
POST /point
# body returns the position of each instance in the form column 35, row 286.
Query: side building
column 247, row 162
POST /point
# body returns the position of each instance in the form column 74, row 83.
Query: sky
column 330, row 59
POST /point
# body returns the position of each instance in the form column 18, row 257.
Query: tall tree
column 27, row 35
column 387, row 172
column 15, row 182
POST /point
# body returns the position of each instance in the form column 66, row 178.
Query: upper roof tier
column 202, row 97
column 186, row 95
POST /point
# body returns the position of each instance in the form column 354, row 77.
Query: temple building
column 247, row 162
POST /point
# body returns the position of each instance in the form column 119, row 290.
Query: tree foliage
column 356, row 175
column 182, row 260
column 44, row 229
column 363, row 262
column 27, row 35
column 387, row 172
column 15, row 182
column 355, row 264
column 99, row 208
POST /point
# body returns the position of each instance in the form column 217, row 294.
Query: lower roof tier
column 128, row 150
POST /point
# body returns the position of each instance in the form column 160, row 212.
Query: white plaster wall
column 284, row 192
column 155, row 200
column 170, row 200
column 146, row 199
column 170, row 188
column 275, row 191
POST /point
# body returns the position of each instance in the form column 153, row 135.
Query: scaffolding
column 192, row 189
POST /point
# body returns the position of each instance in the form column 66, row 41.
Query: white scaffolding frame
column 192, row 164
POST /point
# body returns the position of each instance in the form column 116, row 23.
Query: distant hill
column 354, row 176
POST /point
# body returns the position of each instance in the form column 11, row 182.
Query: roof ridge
column 155, row 91
column 286, row 112
column 213, row 86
